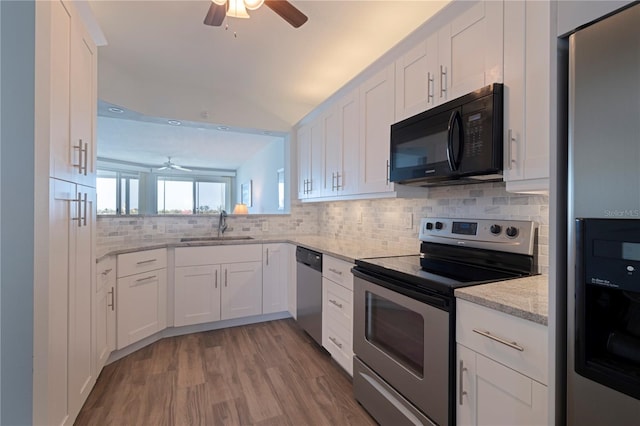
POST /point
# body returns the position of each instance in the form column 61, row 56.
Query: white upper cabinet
column 377, row 113
column 414, row 82
column 73, row 92
column 470, row 50
column 529, row 64
column 310, row 141
column 341, row 136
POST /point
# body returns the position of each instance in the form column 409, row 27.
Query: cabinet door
column 413, row 82
column 81, row 292
column 316, row 158
column 348, row 110
column 471, row 50
column 83, row 105
column 197, row 294
column 332, row 164
column 142, row 306
column 505, row 396
column 61, row 159
column 304, row 160
column 61, row 213
column 242, row 290
column 466, row 393
column 104, row 312
column 275, row 277
column 376, row 117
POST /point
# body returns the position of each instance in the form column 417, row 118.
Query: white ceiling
column 162, row 61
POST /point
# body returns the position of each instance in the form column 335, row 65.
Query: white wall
column 261, row 170
column 17, row 76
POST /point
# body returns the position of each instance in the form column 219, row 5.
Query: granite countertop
column 347, row 250
column 526, row 298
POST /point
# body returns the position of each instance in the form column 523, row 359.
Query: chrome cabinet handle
column 226, row 281
column 267, row 257
column 339, row 185
column 78, row 217
column 142, row 262
column 82, row 155
column 335, row 271
column 335, row 342
column 388, row 167
column 216, row 280
column 84, row 219
column 333, row 181
column 106, row 271
column 511, row 141
column 429, row 88
column 112, row 305
column 339, row 305
column 150, row 277
column 443, row 86
column 488, row 335
column 461, row 391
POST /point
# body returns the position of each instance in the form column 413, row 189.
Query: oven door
column 405, row 337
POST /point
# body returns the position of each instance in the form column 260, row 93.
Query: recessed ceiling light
column 174, row 122
column 116, row 110
column 266, row 132
column 223, row 128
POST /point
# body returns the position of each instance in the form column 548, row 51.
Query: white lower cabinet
column 337, row 311
column 141, row 297
column 217, row 283
column 501, row 368
column 276, row 260
column 104, row 313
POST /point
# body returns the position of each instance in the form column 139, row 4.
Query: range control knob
column 429, row 226
column 495, row 229
column 439, row 225
column 511, row 231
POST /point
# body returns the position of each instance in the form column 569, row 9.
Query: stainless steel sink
column 205, row 239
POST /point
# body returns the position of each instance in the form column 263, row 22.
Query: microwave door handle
column 454, row 162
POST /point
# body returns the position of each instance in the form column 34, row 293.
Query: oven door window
column 397, row 331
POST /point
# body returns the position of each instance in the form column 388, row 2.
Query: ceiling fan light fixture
column 253, row 4
column 237, row 9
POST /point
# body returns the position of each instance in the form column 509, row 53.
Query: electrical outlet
column 265, row 226
column 408, row 220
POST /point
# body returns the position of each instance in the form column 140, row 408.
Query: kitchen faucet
column 222, row 223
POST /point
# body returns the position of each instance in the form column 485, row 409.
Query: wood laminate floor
column 261, row 374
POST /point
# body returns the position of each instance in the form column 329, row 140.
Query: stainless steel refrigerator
column 603, row 255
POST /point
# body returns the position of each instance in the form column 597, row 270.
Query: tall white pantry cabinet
column 66, row 101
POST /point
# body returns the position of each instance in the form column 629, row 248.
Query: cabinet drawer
column 141, row 261
column 482, row 330
column 339, row 304
column 339, row 344
column 338, row 271
column 209, row 255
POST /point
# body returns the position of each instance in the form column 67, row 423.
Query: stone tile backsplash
column 390, row 223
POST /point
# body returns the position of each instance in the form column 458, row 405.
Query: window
column 180, row 195
column 106, row 190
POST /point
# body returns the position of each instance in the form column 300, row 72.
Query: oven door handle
column 435, row 300
column 452, row 159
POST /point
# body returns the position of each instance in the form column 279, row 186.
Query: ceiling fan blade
column 287, row 11
column 162, row 168
column 216, row 14
column 181, row 168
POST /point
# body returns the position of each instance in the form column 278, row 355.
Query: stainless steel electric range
column 404, row 313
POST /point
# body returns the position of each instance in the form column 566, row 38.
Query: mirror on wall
column 155, row 166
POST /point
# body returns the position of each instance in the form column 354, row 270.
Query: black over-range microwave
column 456, row 142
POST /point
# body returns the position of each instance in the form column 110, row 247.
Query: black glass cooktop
column 443, row 278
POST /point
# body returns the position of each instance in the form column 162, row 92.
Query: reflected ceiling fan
column 219, row 9
column 170, row 165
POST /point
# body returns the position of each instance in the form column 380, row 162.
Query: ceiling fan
column 219, row 9
column 170, row 165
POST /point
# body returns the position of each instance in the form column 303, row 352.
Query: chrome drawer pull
column 151, row 277
column 461, row 391
column 112, row 304
column 142, row 262
column 335, row 271
column 512, row 345
column 339, row 305
column 335, row 342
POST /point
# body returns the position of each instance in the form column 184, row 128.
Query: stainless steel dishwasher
column 309, row 292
